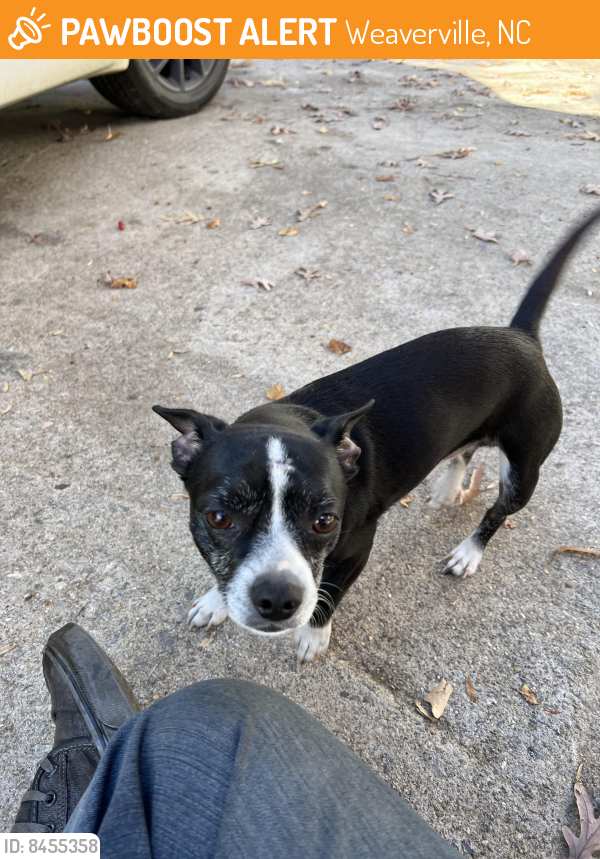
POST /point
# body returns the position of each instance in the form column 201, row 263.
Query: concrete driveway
column 91, row 524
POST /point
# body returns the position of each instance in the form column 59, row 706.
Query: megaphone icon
column 26, row 32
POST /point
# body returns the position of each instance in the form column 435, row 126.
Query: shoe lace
column 38, row 796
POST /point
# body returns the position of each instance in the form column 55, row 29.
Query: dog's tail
column 530, row 312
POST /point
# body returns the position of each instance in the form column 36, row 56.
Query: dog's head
column 266, row 505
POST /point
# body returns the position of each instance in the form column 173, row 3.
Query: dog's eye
column 325, row 523
column 219, row 520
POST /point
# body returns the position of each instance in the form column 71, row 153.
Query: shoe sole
column 103, row 696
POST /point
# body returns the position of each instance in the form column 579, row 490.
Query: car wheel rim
column 180, row 76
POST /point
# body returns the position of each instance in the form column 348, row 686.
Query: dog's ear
column 337, row 431
column 194, row 428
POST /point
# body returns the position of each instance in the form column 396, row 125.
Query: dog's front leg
column 312, row 639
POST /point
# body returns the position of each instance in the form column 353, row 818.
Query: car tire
column 163, row 89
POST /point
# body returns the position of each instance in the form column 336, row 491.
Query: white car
column 159, row 89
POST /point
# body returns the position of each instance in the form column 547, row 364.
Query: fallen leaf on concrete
column 188, row 218
column 308, row 106
column 312, row 212
column 308, row 273
column 455, row 153
column 6, row 647
column 572, row 549
column 380, row 123
column 260, row 222
column 438, row 698
column 47, row 424
column 391, row 197
column 390, row 178
column 280, row 129
column 259, row 282
column 407, row 228
column 110, row 135
column 208, row 640
column 56, row 333
column 578, row 773
column 401, row 104
column 28, row 374
column 258, row 118
column 423, row 711
column 179, row 495
column 338, row 347
column 587, row 189
column 466, row 495
column 439, row 196
column 388, row 163
column 7, row 410
column 508, row 523
column 291, row 231
column 276, row 392
column 554, row 712
column 5, row 388
column 420, row 162
column 527, row 694
column 278, row 82
column 518, row 256
column 38, row 239
column 518, row 132
column 123, row 283
column 588, row 841
column 240, row 82
column 470, row 689
column 257, row 162
column 485, row 237
column 212, row 224
column 243, row 64
column 405, row 501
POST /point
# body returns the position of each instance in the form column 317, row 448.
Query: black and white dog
column 284, row 502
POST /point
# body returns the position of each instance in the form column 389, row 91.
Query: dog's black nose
column 276, row 600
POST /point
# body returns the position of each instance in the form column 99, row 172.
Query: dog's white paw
column 447, row 486
column 310, row 642
column 465, row 558
column 208, row 610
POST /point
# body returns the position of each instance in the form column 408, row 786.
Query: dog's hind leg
column 518, row 479
column 447, row 486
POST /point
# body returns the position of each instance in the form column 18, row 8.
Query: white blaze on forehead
column 279, row 469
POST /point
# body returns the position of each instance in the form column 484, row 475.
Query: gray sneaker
column 90, row 701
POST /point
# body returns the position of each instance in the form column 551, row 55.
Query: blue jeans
column 229, row 769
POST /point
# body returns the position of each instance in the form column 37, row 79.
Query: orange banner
column 69, row 29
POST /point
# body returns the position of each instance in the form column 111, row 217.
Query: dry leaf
column 260, row 222
column 380, row 123
column 405, row 501
column 258, row 118
column 257, row 162
column 291, row 231
column 6, row 647
column 401, row 104
column 7, row 410
column 280, row 129
column 423, row 711
column 240, row 82
column 243, row 64
column 338, row 347
column 455, row 153
column 420, row 162
column 485, row 237
column 572, row 549
column 5, row 388
column 259, row 282
column 109, row 134
column 47, row 425
column 591, row 189
column 438, row 698
column 212, row 224
column 390, row 178
column 179, row 495
column 517, row 132
column 56, row 333
column 554, row 712
column 388, row 163
column 518, row 256
column 407, row 228
column 466, row 495
column 439, row 196
column 279, row 82
column 312, row 212
column 508, row 523
column 391, row 197
column 308, row 273
column 28, row 375
column 588, row 841
column 188, row 218
column 470, row 689
column 527, row 694
column 38, row 239
column 276, row 392
column 123, row 283
column 208, row 640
